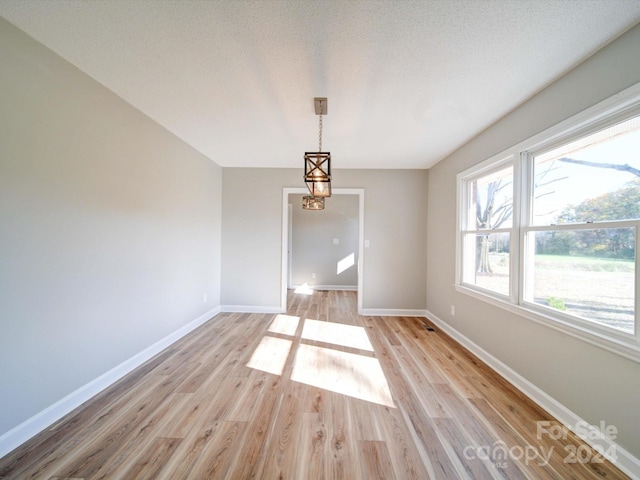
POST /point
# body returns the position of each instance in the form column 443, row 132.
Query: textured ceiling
column 408, row 82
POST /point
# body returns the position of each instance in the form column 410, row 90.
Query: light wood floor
column 348, row 397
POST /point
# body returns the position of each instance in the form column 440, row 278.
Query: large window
column 550, row 228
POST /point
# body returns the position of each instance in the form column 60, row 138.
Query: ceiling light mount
column 320, row 104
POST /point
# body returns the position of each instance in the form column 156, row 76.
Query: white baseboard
column 249, row 309
column 591, row 434
column 40, row 421
column 383, row 312
column 349, row 288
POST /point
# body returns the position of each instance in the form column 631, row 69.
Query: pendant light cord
column 320, row 134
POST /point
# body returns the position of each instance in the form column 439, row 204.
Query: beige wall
column 595, row 384
column 394, row 272
column 109, row 230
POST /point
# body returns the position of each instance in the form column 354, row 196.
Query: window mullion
column 514, row 264
column 525, row 253
column 636, row 330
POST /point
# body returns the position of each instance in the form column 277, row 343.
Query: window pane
column 491, row 201
column 586, row 273
column 487, row 261
column 596, row 178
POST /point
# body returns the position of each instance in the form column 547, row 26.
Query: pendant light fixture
column 312, row 203
column 317, row 165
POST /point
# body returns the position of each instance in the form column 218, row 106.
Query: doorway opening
column 287, row 240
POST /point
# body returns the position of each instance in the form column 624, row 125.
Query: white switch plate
column 336, row 241
column 366, row 244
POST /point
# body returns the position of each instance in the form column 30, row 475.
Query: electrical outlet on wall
column 313, row 275
column 336, row 241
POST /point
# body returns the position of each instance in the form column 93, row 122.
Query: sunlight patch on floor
column 327, row 367
column 336, row 333
column 284, row 324
column 305, row 289
column 346, row 373
column 270, row 355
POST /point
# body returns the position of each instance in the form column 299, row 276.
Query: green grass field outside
column 597, row 289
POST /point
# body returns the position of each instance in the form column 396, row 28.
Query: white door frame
column 290, row 241
column 286, row 191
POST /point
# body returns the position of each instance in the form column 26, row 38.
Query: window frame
column 620, row 107
column 493, row 165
